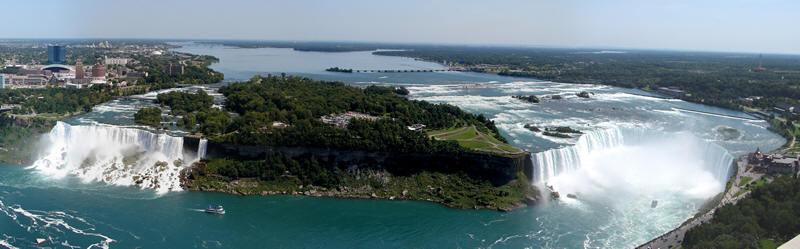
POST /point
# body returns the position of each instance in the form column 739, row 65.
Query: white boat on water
column 215, row 209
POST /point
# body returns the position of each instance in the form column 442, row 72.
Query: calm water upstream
column 635, row 148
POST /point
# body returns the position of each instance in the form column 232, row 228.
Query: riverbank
column 733, row 193
column 450, row 190
column 20, row 135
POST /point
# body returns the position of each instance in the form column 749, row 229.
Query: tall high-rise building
column 2, row 81
column 79, row 72
column 56, row 54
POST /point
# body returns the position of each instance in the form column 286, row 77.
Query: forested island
column 293, row 135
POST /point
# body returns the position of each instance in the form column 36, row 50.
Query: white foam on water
column 52, row 225
column 622, row 170
column 115, row 155
column 479, row 104
column 8, row 245
column 626, row 144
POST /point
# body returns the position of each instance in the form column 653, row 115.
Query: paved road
column 674, row 238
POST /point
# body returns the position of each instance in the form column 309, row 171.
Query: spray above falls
column 638, row 160
column 116, row 155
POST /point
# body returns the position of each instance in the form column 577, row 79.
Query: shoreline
column 344, row 196
column 674, row 237
column 457, row 191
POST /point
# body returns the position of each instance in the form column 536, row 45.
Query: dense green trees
column 300, row 102
column 150, row 116
column 182, row 102
column 195, row 69
column 264, row 103
column 56, row 100
column 308, row 169
column 771, row 212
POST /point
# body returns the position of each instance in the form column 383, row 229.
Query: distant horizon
column 453, row 44
column 737, row 26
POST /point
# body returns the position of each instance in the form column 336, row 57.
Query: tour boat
column 215, row 209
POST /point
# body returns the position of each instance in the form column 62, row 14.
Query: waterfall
column 548, row 164
column 201, row 149
column 719, row 161
column 114, row 155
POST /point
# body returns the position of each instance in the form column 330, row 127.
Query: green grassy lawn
column 745, row 180
column 469, row 137
column 753, row 185
column 767, row 244
column 760, row 183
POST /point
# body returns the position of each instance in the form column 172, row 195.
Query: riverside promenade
column 673, row 239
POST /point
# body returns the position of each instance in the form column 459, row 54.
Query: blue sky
column 760, row 26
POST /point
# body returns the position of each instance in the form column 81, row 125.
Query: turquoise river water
column 636, row 147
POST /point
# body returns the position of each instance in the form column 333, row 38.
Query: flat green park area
column 469, row 137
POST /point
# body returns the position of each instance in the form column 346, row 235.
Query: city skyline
column 722, row 26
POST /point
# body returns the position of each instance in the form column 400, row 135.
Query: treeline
column 770, row 214
column 198, row 116
column 56, row 100
column 181, row 102
column 306, row 170
column 194, row 69
column 150, row 116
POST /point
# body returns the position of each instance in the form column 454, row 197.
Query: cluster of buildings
column 343, row 120
column 773, row 163
column 58, row 74
column 780, row 109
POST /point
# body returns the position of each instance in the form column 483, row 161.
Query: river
column 636, row 148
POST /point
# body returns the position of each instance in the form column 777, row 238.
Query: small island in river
column 339, row 70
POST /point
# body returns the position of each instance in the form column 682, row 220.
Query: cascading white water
column 201, row 148
column 114, row 155
column 718, row 160
column 548, row 164
column 551, row 163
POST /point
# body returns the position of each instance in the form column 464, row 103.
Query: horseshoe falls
column 633, row 148
column 552, row 163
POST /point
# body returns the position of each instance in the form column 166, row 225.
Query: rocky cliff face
column 499, row 170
